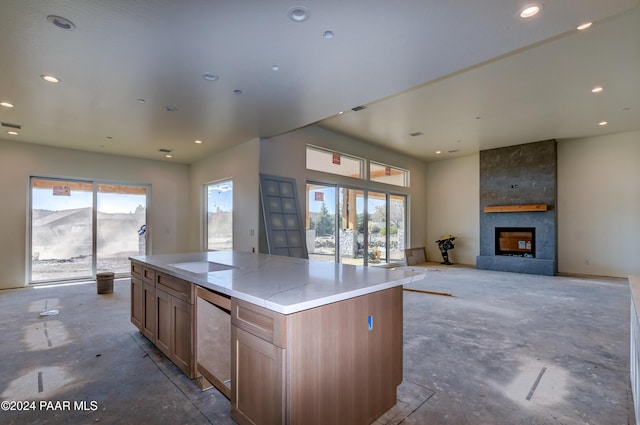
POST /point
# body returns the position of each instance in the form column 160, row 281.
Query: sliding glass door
column 321, row 222
column 377, row 227
column 397, row 227
column 120, row 226
column 79, row 228
column 352, row 226
column 61, row 230
column 355, row 226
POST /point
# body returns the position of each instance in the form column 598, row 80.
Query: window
column 321, row 221
column 334, row 162
column 79, row 228
column 377, row 224
column 355, row 226
column 387, row 174
column 397, row 227
column 219, row 216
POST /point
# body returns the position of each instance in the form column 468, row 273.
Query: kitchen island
column 305, row 342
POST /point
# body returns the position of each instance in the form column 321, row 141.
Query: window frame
column 205, row 214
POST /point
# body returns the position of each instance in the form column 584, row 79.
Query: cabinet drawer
column 149, row 275
column 136, row 269
column 261, row 322
column 177, row 287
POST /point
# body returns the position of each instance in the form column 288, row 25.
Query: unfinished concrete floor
column 505, row 349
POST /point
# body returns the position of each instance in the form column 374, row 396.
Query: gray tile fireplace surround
column 519, row 175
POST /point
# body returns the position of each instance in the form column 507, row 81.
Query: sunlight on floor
column 44, row 335
column 37, row 383
column 537, row 383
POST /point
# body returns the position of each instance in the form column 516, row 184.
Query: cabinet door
column 181, row 335
column 163, row 321
column 136, row 302
column 149, row 311
column 257, row 389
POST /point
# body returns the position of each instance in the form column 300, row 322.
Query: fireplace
column 514, row 182
column 516, row 241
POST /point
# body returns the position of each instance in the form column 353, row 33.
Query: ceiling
column 467, row 74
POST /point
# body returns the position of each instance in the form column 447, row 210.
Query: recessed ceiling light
column 597, row 89
column 209, row 76
column 584, row 26
column 603, row 123
column 141, row 100
column 275, row 68
column 328, row 34
column 168, row 156
column 61, row 22
column 530, row 11
column 341, row 112
column 237, row 91
column 438, row 152
column 298, row 13
column 13, row 133
column 416, row 133
column 198, row 142
column 6, row 104
column 50, row 78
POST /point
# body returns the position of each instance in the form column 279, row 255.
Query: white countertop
column 282, row 284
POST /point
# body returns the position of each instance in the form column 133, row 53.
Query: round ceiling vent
column 298, row 13
column 61, row 22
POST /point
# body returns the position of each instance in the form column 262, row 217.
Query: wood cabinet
column 143, row 299
column 162, row 309
column 136, row 302
column 338, row 363
column 163, row 321
column 182, row 353
column 258, row 353
column 149, row 311
column 175, row 321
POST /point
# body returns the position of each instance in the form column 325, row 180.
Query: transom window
column 334, row 162
column 387, row 174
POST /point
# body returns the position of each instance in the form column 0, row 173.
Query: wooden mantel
column 515, row 208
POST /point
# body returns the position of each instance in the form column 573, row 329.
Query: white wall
column 453, row 207
column 285, row 155
column 241, row 164
column 18, row 161
column 599, row 205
